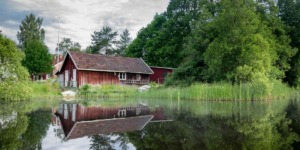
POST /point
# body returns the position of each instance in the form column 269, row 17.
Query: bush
column 15, row 91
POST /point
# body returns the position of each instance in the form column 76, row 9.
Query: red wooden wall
column 160, row 74
column 95, row 77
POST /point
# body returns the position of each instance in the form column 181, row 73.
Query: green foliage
column 103, row 41
column 13, row 76
column 161, row 42
column 67, row 44
column 123, row 43
column 244, row 43
column 222, row 92
column 15, row 91
column 31, row 29
column 37, row 60
column 107, row 91
column 289, row 13
column 11, row 68
column 45, row 89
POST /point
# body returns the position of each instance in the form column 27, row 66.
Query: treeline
column 236, row 41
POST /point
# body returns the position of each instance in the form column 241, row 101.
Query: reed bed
column 221, row 91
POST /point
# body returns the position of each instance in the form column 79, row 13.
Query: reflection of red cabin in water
column 78, row 121
column 160, row 74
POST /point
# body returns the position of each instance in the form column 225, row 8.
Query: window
column 138, row 77
column 122, row 76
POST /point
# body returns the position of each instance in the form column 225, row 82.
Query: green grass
column 44, row 89
column 107, row 91
column 221, row 91
column 198, row 91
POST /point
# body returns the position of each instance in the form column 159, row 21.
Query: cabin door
column 66, row 78
column 61, row 80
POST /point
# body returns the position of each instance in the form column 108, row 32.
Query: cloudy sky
column 79, row 18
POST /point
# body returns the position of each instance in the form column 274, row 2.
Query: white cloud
column 79, row 18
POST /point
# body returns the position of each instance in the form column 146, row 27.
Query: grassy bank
column 107, row 91
column 44, row 89
column 199, row 91
column 19, row 91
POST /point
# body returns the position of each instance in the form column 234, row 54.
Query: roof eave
column 82, row 69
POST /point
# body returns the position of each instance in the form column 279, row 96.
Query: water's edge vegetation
column 29, row 90
column 197, row 91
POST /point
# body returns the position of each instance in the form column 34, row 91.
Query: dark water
column 153, row 124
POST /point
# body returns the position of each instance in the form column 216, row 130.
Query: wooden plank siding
column 95, row 77
column 160, row 74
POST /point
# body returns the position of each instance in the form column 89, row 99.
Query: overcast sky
column 79, row 18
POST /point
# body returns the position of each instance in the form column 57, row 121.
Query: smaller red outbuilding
column 160, row 74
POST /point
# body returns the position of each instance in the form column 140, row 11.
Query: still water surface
column 150, row 124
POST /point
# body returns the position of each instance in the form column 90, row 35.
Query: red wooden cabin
column 160, row 73
column 79, row 69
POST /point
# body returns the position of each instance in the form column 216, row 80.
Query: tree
column 38, row 124
column 123, row 43
column 11, row 68
column 31, row 29
column 101, row 141
column 244, row 42
column 161, row 42
column 103, row 41
column 37, row 60
column 13, row 75
column 68, row 44
column 289, row 13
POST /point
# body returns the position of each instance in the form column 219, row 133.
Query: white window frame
column 122, row 75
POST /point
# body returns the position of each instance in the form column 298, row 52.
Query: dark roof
column 161, row 67
column 87, row 128
column 95, row 62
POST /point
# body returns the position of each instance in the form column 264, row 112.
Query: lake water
column 150, row 124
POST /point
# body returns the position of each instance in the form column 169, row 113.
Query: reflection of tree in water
column 37, row 129
column 106, row 142
column 101, row 142
column 293, row 113
column 9, row 135
column 123, row 140
column 189, row 131
column 13, row 124
column 24, row 131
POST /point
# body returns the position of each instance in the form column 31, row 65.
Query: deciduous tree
column 37, row 60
